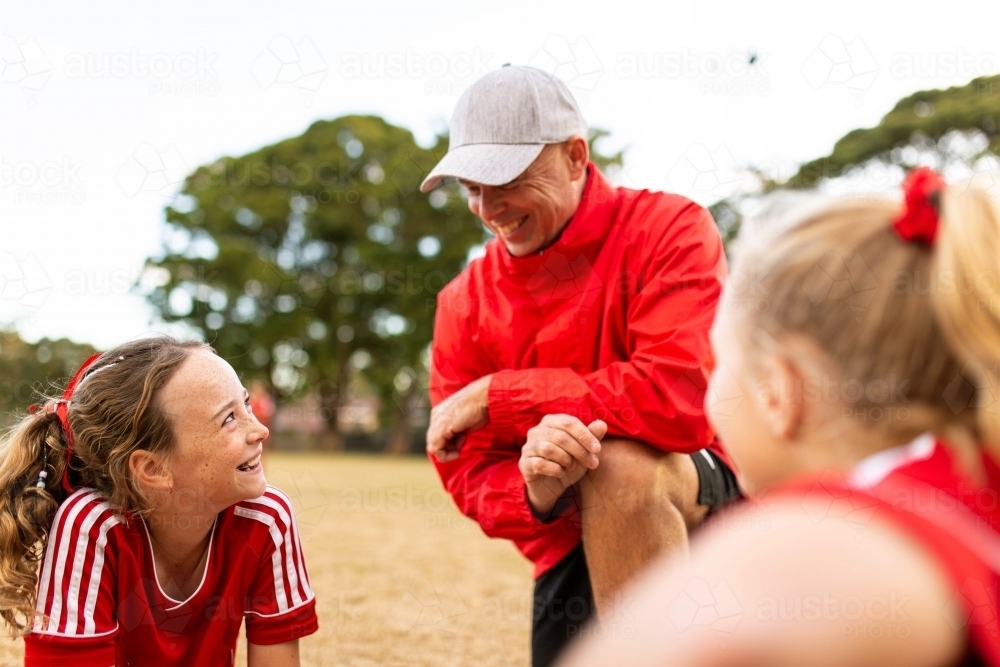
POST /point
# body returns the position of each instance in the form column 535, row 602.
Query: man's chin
column 521, row 249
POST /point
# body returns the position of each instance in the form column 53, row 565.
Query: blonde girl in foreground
column 136, row 527
column 855, row 380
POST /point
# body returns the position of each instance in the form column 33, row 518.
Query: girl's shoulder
column 273, row 502
column 270, row 516
column 83, row 513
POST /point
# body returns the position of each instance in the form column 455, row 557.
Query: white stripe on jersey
column 290, row 543
column 95, row 576
column 62, row 550
column 82, row 547
column 45, row 571
column 53, row 571
column 289, row 564
column 300, row 558
column 304, row 576
column 272, row 528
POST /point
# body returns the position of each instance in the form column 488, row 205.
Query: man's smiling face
column 529, row 212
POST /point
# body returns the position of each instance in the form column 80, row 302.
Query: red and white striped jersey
column 103, row 604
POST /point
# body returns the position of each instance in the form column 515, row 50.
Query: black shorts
column 564, row 600
column 564, row 603
column 717, row 485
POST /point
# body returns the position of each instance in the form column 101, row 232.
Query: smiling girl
column 136, row 526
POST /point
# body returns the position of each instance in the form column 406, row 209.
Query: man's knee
column 623, row 461
column 635, row 477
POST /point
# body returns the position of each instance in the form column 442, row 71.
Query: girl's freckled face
column 215, row 461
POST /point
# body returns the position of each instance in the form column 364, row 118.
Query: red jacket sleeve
column 484, row 481
column 657, row 396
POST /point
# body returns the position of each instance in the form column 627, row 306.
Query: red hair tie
column 919, row 219
column 61, row 410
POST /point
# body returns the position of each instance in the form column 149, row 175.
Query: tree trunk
column 332, row 440
column 401, row 437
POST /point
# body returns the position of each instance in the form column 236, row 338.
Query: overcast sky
column 106, row 106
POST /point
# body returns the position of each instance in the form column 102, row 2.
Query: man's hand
column 558, row 453
column 464, row 411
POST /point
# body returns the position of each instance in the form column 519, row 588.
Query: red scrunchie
column 920, row 217
column 61, row 410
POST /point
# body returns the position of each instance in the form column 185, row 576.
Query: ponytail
column 967, row 298
column 28, row 504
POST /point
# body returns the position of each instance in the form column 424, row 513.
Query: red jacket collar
column 584, row 234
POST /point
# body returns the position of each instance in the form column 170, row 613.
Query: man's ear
column 578, row 153
column 150, row 472
column 779, row 396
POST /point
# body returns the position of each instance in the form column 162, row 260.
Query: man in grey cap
column 569, row 364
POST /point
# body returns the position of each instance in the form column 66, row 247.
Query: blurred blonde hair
column 886, row 312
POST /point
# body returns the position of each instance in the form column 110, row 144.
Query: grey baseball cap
column 501, row 124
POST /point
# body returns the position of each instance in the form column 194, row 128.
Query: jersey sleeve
column 76, row 601
column 280, row 604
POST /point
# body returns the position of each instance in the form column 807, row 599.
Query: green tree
column 29, row 371
column 956, row 130
column 606, row 162
column 958, row 124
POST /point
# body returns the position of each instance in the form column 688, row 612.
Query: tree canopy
column 955, row 130
column 926, row 120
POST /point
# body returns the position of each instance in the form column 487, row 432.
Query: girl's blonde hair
column 909, row 325
column 112, row 413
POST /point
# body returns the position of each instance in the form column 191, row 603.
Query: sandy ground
column 401, row 578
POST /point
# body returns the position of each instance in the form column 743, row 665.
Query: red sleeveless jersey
column 103, row 604
column 919, row 488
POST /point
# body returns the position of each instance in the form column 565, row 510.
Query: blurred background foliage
column 30, row 370
column 955, row 130
column 313, row 264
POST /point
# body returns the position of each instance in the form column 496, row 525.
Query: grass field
column 401, row 578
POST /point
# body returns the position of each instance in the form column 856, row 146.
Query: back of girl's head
column 112, row 413
column 897, row 320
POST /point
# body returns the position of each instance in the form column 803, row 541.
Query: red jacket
column 610, row 322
